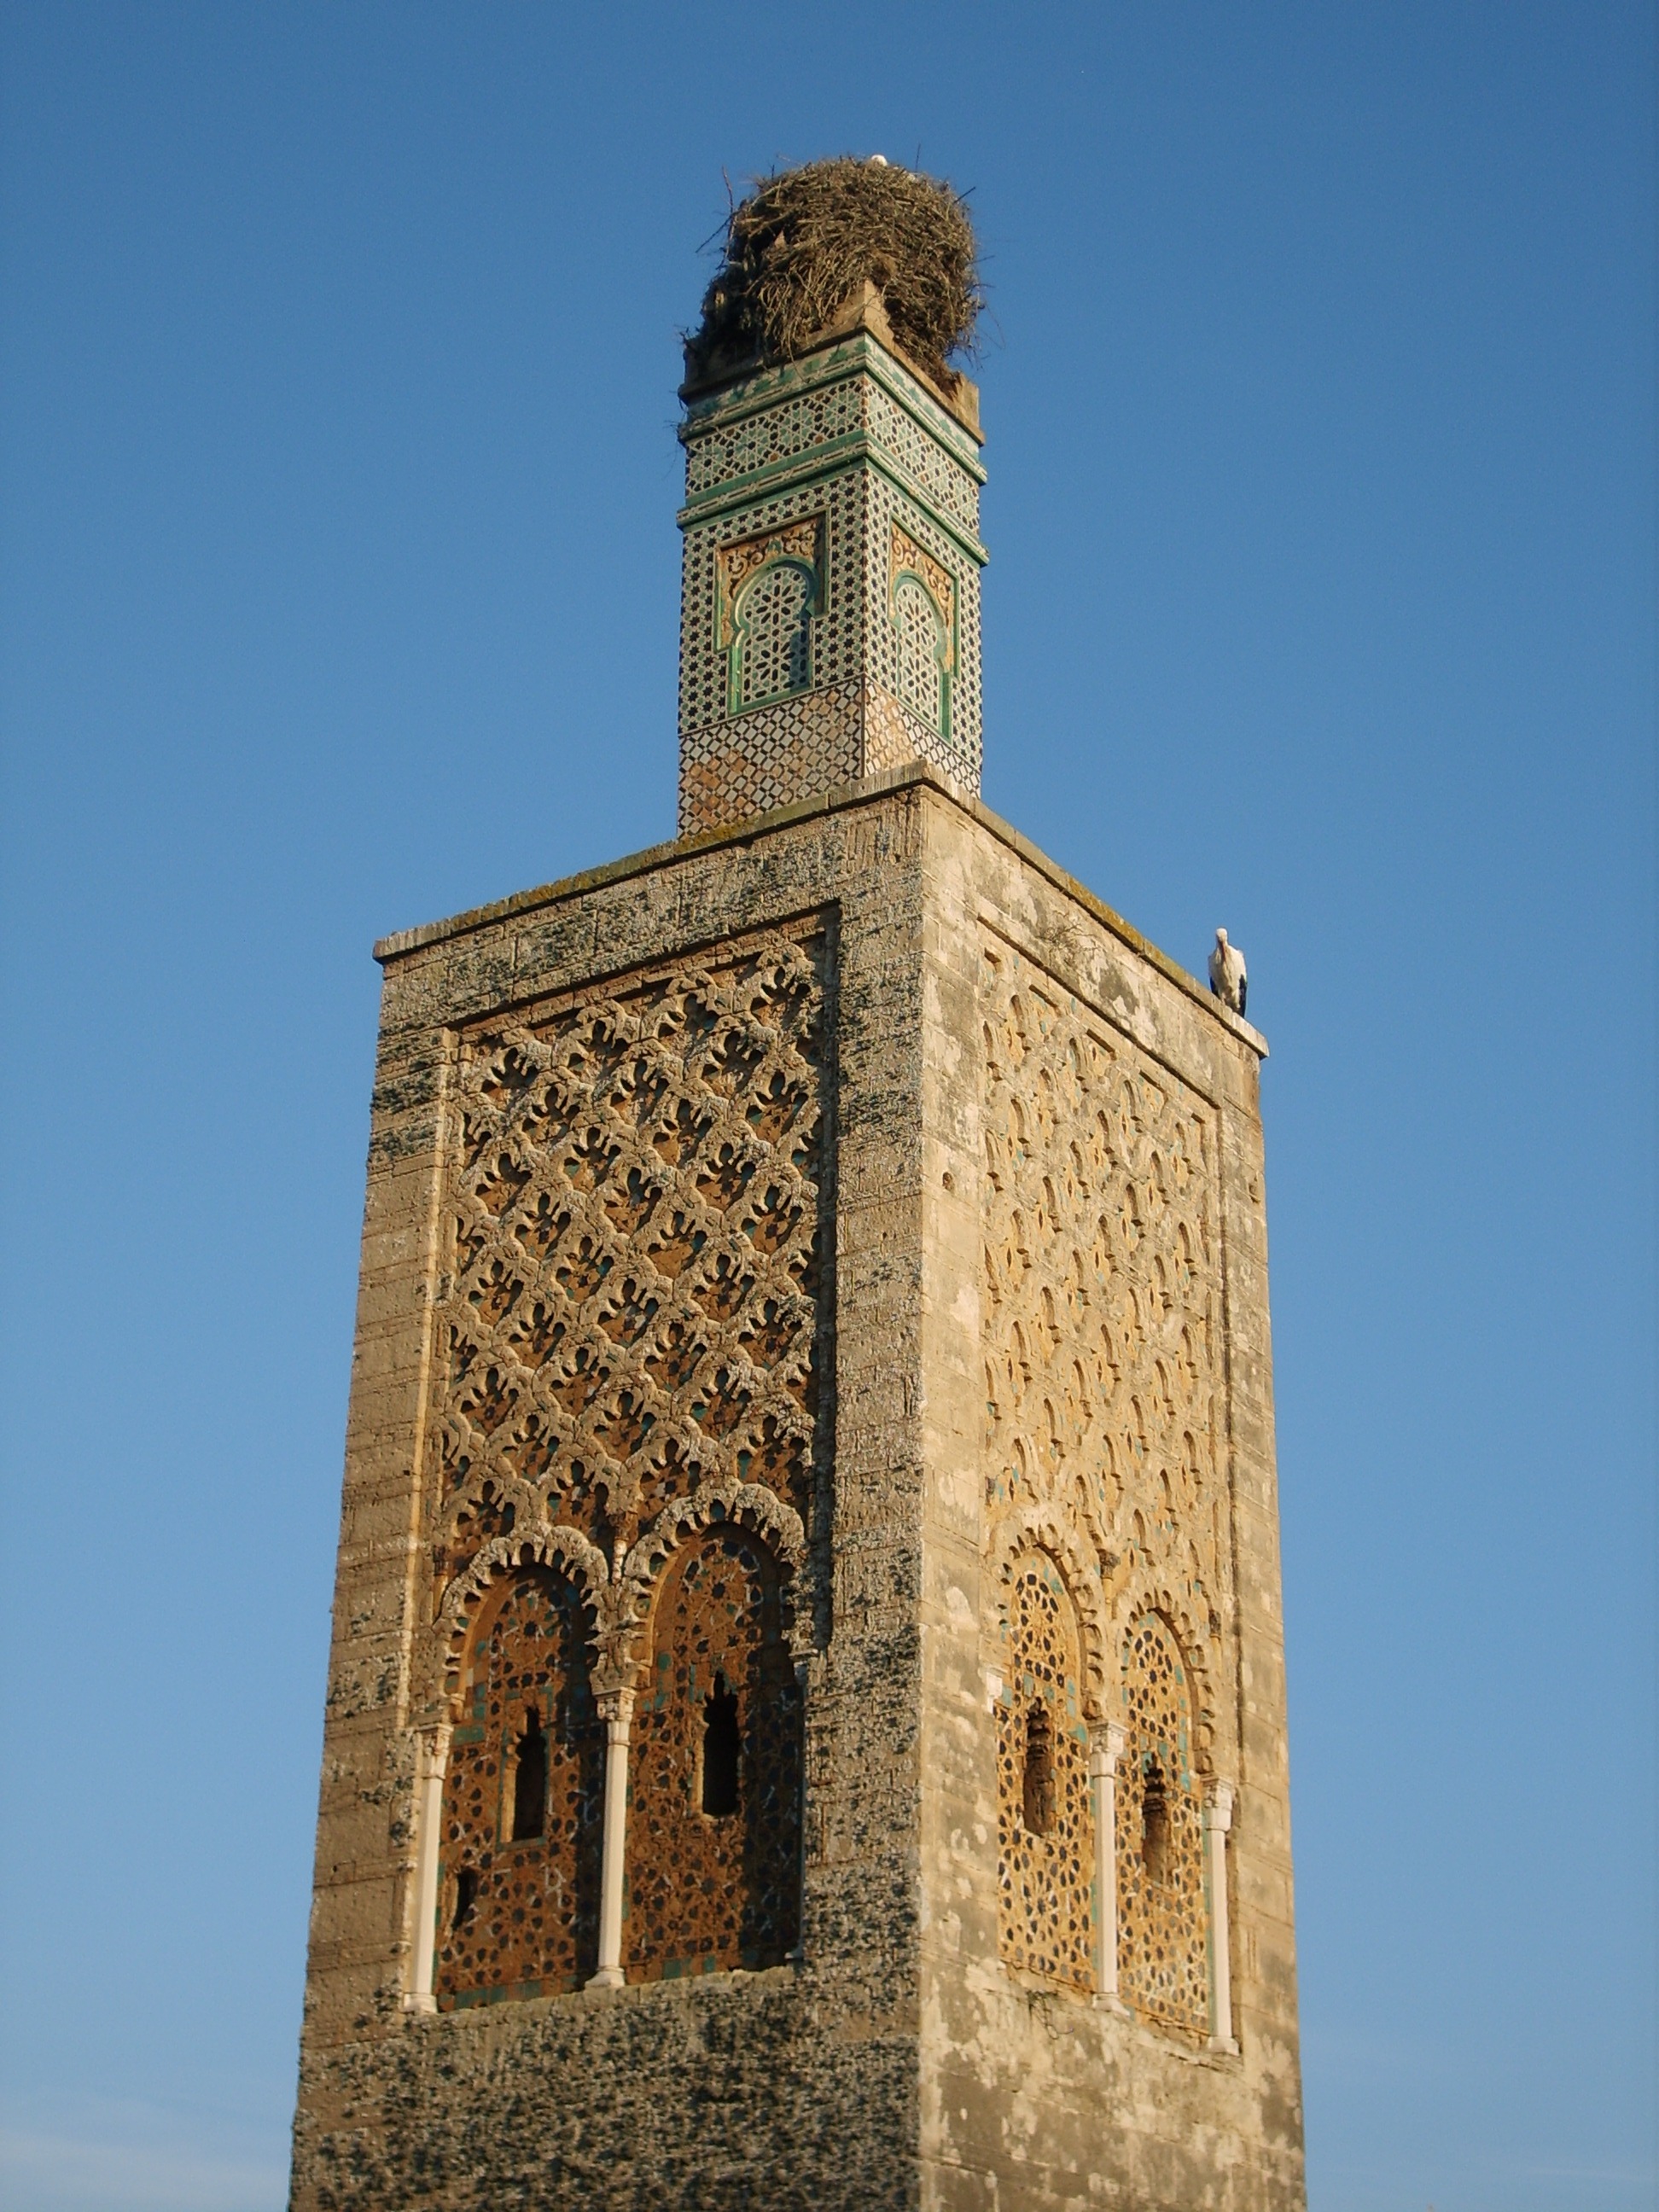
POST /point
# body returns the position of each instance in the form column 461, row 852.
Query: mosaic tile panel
column 520, row 1896
column 711, row 1888
column 923, row 459
column 953, row 581
column 705, row 630
column 782, row 432
column 872, row 680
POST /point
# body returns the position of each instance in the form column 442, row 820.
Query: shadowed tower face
column 806, row 1716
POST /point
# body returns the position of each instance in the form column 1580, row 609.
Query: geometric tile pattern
column 847, row 444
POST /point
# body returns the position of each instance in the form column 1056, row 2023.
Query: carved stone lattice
column 1045, row 1831
column 1102, row 1303
column 523, row 1915
column 1163, row 1925
column 1102, row 1292
column 712, row 1889
column 632, row 1312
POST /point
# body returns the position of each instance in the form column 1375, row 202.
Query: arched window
column 713, row 1823
column 1162, row 1934
column 920, row 650
column 1045, row 1831
column 519, row 1848
column 773, row 633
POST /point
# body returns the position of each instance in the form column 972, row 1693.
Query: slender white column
column 431, row 1759
column 616, row 1708
column 1105, row 1749
column 1218, row 1819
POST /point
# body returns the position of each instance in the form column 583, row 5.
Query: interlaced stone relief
column 522, row 1800
column 1044, row 1826
column 632, row 1312
column 1163, row 1923
column 713, row 1835
column 1101, row 1311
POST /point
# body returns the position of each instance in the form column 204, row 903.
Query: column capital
column 1218, row 1812
column 615, row 1703
column 1107, row 1740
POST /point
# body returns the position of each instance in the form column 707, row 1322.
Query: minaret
column 806, row 1712
column 829, row 607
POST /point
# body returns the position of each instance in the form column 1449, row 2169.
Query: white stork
column 1228, row 979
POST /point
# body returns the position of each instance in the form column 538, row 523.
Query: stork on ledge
column 1228, row 978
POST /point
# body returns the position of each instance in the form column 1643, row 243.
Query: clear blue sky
column 340, row 582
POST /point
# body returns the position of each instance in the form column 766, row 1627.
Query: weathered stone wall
column 804, row 2074
column 1036, row 2093
column 901, row 2059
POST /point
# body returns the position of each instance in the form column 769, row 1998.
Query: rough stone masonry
column 806, row 1714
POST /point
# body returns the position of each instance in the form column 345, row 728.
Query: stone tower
column 806, row 1716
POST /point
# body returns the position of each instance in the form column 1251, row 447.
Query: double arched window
column 710, row 1870
column 1111, row 1862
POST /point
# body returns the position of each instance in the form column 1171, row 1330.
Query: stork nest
column 804, row 241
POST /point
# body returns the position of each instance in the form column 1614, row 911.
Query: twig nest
column 804, row 241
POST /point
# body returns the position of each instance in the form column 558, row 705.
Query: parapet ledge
column 403, row 942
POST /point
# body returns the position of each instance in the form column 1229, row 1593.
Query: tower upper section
column 829, row 609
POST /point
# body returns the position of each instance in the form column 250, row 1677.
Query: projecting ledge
column 865, row 792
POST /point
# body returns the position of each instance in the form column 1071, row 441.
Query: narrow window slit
column 1155, row 1823
column 722, row 1750
column 1038, row 1806
column 466, row 1896
column 530, row 1779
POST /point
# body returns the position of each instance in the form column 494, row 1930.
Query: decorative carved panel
column 1163, row 1923
column 633, row 1309
column 1102, row 1291
column 520, row 1913
column 713, row 1872
column 1045, row 1828
column 1101, row 1315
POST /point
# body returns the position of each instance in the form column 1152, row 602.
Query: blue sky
column 340, row 592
